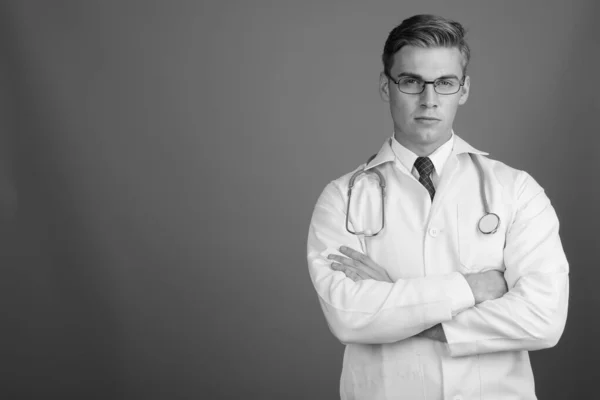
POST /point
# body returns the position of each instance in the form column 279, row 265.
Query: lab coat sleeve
column 532, row 315
column 369, row 311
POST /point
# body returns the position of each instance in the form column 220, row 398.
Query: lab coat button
column 434, row 232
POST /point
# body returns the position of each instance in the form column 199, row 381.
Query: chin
column 423, row 135
column 428, row 135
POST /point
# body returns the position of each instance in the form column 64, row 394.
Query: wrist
column 471, row 281
column 442, row 334
column 436, row 332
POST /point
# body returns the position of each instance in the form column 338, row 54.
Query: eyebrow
column 417, row 76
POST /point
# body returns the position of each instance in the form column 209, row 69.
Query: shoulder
column 521, row 186
column 335, row 190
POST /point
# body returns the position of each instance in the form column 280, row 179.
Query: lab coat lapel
column 450, row 170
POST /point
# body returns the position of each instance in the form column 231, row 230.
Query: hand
column 436, row 332
column 488, row 285
column 358, row 266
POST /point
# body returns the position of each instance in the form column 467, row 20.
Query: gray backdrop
column 160, row 162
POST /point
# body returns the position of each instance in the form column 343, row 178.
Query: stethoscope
column 488, row 224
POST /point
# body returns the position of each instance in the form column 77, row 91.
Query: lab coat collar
column 460, row 146
column 386, row 154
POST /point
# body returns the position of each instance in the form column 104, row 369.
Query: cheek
column 451, row 106
column 402, row 116
column 404, row 108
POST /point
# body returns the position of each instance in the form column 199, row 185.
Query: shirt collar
column 438, row 157
column 386, row 153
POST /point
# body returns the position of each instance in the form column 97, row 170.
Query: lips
column 428, row 118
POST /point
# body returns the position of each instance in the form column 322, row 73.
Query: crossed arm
column 488, row 285
column 369, row 308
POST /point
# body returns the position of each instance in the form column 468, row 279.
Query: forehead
column 429, row 62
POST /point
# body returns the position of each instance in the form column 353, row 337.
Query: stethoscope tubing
column 489, row 218
column 488, row 224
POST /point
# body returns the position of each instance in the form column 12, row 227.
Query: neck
column 422, row 149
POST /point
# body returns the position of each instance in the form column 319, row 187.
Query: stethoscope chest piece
column 489, row 223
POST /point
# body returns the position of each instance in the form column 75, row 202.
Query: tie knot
column 424, row 166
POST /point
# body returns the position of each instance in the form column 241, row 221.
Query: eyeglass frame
column 425, row 83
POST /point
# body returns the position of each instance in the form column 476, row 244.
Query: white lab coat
column 426, row 248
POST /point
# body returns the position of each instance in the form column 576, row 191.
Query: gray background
column 165, row 158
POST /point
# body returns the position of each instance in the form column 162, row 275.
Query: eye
column 445, row 82
column 409, row 81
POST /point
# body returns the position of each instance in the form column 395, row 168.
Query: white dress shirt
column 427, row 247
column 439, row 157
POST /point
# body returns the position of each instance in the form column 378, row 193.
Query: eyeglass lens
column 416, row 86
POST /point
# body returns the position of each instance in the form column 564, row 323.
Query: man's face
column 423, row 122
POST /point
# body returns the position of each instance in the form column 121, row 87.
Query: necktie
column 425, row 168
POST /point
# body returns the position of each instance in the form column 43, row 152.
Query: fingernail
column 342, row 248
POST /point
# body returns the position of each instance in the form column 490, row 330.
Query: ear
column 384, row 87
column 464, row 95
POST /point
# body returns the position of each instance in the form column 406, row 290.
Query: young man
column 431, row 300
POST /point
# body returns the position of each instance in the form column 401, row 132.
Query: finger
column 340, row 267
column 345, row 261
column 337, row 258
column 356, row 274
column 352, row 275
column 364, row 271
column 350, row 272
column 363, row 261
column 372, row 271
column 355, row 255
column 337, row 266
column 347, row 271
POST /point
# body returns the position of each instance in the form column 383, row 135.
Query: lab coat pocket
column 478, row 251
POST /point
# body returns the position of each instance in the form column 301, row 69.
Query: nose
column 429, row 97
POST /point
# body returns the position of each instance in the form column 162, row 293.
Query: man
column 428, row 305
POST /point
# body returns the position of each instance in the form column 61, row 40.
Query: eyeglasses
column 412, row 85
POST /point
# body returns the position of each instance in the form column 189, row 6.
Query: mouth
column 427, row 120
